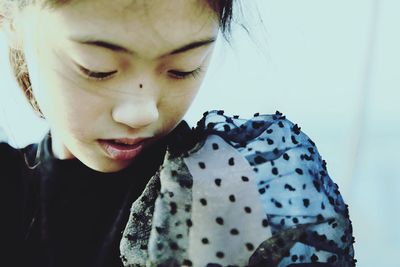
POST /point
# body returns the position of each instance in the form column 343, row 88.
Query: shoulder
column 3, row 135
column 16, row 194
column 10, row 155
column 13, row 166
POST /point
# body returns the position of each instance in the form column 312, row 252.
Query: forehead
column 134, row 22
column 124, row 10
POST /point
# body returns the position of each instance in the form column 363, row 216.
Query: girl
column 122, row 180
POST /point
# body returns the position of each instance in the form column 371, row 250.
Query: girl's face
column 150, row 54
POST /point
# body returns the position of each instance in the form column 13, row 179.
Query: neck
column 58, row 149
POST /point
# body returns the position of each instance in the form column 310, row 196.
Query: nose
column 136, row 114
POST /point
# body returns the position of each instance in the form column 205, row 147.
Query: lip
column 130, row 141
column 121, row 151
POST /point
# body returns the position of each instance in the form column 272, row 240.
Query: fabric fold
column 241, row 192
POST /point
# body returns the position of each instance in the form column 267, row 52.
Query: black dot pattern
column 250, row 186
column 227, row 186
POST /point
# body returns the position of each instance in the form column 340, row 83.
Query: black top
column 63, row 213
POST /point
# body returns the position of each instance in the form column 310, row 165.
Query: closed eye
column 184, row 75
column 96, row 75
column 173, row 73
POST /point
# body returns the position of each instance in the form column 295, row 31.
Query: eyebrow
column 120, row 49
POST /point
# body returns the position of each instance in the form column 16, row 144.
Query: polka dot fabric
column 228, row 218
column 249, row 192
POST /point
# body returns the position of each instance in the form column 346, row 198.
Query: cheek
column 179, row 96
column 174, row 105
column 69, row 109
column 65, row 102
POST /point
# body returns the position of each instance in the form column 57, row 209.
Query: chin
column 106, row 166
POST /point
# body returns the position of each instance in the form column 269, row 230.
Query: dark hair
column 223, row 8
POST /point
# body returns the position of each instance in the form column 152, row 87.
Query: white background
column 333, row 68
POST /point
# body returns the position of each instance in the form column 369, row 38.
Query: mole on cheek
column 141, row 85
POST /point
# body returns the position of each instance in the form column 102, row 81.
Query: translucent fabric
column 240, row 192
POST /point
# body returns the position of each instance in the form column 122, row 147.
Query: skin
column 143, row 99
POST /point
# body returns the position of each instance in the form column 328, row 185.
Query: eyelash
column 98, row 76
column 180, row 75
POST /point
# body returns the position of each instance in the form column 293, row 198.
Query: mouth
column 122, row 149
